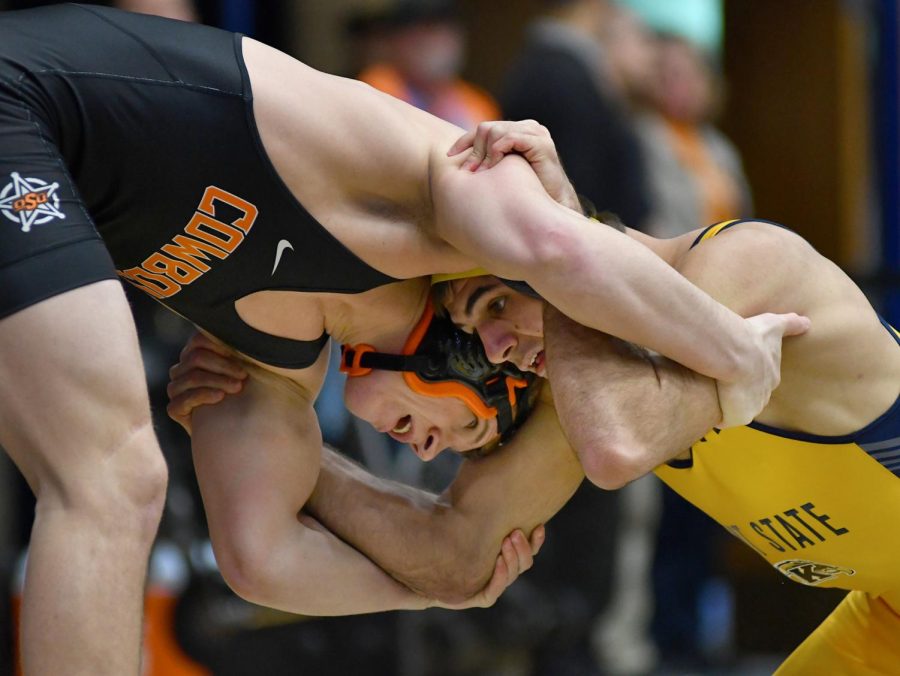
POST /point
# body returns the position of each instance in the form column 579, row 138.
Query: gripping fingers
column 514, row 559
column 503, row 146
column 203, row 359
column 485, row 136
column 184, row 404
column 201, row 341
column 198, row 378
column 538, row 536
column 794, row 324
column 522, row 549
column 180, row 407
column 464, row 142
column 496, row 586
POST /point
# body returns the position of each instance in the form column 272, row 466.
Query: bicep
column 256, row 455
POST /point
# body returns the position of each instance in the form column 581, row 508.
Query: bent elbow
column 246, row 560
column 460, row 571
column 474, row 578
column 245, row 572
column 610, row 467
column 455, row 581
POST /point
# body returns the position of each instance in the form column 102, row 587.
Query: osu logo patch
column 30, row 201
column 810, row 572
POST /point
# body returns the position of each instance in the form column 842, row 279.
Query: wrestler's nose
column 498, row 341
column 430, row 447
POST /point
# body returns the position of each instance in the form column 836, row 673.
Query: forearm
column 606, row 281
column 299, row 568
column 313, row 572
column 256, row 458
column 624, row 411
column 400, row 527
column 445, row 546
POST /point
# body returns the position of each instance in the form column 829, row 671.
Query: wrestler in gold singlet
column 823, row 511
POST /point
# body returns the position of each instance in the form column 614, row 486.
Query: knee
column 146, row 492
column 125, row 491
column 140, row 478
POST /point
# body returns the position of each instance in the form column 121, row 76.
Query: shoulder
column 746, row 266
column 758, row 241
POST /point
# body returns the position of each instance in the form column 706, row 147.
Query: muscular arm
column 505, row 221
column 624, row 411
column 597, row 276
column 257, row 456
column 444, row 546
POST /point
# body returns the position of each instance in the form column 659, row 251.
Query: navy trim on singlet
column 880, row 438
column 881, row 443
column 682, row 463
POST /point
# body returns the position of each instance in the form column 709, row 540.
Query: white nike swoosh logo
column 282, row 245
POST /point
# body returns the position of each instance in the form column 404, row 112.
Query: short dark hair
column 440, row 291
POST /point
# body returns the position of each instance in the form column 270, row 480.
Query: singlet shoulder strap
column 714, row 230
column 894, row 332
column 264, row 347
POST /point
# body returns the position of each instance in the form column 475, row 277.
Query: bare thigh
column 72, row 390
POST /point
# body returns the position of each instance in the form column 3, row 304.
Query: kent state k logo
column 810, row 572
column 30, row 201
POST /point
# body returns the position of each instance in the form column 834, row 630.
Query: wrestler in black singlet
column 144, row 126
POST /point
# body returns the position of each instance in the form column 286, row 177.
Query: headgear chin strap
column 440, row 360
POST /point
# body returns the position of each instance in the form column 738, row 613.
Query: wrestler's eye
column 472, row 425
column 496, row 306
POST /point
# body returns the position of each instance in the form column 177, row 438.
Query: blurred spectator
column 697, row 180
column 694, row 172
column 414, row 51
column 423, row 44
column 562, row 80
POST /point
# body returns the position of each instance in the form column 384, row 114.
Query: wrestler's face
column 509, row 323
column 429, row 425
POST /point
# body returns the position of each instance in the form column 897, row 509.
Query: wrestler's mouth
column 403, row 426
column 536, row 364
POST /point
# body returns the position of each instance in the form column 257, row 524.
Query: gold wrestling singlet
column 824, row 511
